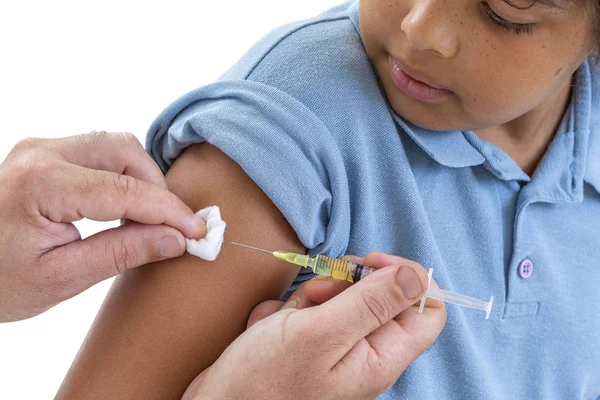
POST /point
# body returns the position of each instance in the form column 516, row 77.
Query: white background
column 69, row 67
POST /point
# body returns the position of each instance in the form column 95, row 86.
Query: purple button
column 525, row 268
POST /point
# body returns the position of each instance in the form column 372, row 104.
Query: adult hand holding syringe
column 347, row 270
column 354, row 345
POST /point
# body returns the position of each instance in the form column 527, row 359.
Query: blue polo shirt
column 304, row 115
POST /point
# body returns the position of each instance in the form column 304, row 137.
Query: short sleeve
column 280, row 144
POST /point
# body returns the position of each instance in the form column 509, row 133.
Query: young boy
column 459, row 134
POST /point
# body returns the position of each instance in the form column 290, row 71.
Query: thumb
column 114, row 251
column 369, row 304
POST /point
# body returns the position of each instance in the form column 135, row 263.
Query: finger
column 390, row 349
column 297, row 300
column 81, row 264
column 55, row 235
column 121, row 153
column 191, row 393
column 322, row 289
column 263, row 310
column 106, row 196
column 371, row 303
column 383, row 355
column 377, row 259
column 354, row 259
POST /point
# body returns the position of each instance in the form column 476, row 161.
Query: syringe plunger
column 455, row 298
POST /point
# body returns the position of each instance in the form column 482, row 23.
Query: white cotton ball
column 208, row 247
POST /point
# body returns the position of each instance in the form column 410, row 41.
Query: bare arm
column 163, row 324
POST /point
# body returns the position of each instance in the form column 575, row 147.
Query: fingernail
column 198, row 225
column 169, row 247
column 290, row 304
column 409, row 282
column 202, row 225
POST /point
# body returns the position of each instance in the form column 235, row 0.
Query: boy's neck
column 526, row 138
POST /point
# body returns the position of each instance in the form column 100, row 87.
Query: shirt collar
column 592, row 164
column 592, row 174
column 449, row 148
column 579, row 133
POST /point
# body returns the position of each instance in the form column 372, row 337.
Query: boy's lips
column 415, row 84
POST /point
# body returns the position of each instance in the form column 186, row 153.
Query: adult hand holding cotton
column 46, row 184
column 209, row 246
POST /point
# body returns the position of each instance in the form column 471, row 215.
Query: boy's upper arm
column 162, row 324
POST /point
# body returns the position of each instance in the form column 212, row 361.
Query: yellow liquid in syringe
column 322, row 265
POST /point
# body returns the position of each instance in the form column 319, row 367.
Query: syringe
column 353, row 272
column 322, row 265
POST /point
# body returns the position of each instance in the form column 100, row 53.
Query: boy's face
column 480, row 71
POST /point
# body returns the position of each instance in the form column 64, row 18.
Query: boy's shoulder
column 318, row 54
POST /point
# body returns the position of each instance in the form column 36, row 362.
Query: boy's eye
column 508, row 25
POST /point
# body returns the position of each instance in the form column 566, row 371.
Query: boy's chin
column 434, row 122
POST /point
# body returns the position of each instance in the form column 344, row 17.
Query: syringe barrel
column 340, row 269
column 359, row 271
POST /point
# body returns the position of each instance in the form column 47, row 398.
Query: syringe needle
column 252, row 248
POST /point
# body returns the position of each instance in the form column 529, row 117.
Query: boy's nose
column 427, row 27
